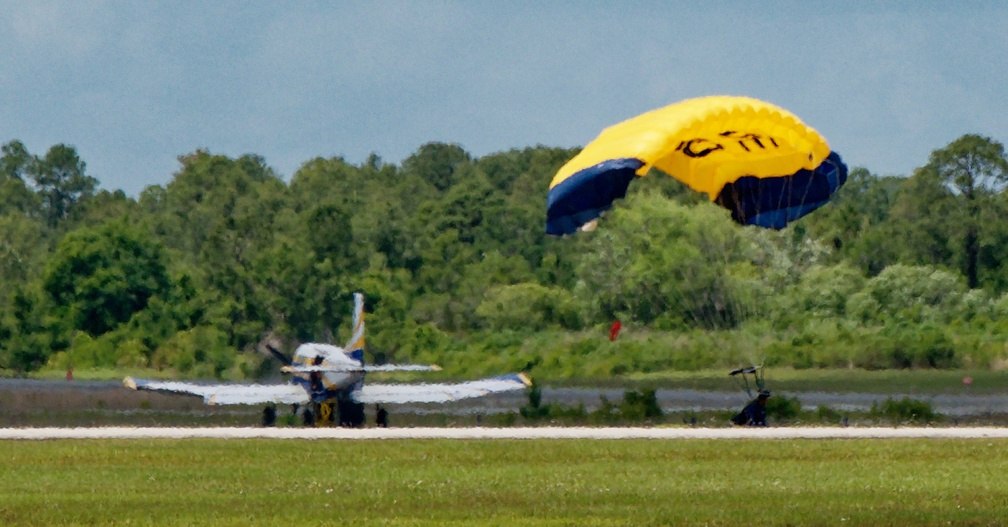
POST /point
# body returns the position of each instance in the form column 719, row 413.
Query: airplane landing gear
column 325, row 414
column 351, row 414
column 317, row 414
column 269, row 416
column 348, row 413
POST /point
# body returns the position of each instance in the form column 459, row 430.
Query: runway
column 505, row 433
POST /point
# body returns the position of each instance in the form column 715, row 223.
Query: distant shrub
column 112, row 349
column 535, row 410
column 640, row 406
column 823, row 290
column 202, row 351
column 906, row 410
column 527, row 306
column 910, row 346
column 783, row 408
column 637, row 406
column 910, row 293
column 532, row 409
column 828, row 414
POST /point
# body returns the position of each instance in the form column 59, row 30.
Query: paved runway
column 503, row 433
column 112, row 396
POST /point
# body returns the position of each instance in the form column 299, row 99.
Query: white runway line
column 501, row 433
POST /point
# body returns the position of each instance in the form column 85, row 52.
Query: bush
column 640, row 406
column 906, row 347
column 535, row 410
column 829, row 415
column 527, row 306
column 782, row 408
column 906, row 410
column 636, row 407
column 910, row 293
column 202, row 351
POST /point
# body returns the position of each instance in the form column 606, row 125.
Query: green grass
column 544, row 482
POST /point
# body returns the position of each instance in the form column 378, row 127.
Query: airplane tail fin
column 355, row 346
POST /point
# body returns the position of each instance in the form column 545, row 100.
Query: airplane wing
column 219, row 394
column 439, row 393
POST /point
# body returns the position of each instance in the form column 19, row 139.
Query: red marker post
column 614, row 330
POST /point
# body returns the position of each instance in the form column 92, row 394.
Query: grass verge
column 539, row 482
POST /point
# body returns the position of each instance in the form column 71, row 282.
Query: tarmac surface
column 472, row 433
column 670, row 400
column 86, row 404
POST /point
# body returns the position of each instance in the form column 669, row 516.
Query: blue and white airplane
column 328, row 384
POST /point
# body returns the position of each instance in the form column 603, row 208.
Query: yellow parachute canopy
column 719, row 145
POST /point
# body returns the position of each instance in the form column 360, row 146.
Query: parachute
column 755, row 159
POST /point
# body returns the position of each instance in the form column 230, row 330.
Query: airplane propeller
column 287, row 360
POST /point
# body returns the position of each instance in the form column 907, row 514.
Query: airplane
column 327, row 378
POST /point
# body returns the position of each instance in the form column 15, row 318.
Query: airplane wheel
column 351, row 414
column 269, row 416
column 326, row 414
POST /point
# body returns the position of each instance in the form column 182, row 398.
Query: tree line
column 195, row 276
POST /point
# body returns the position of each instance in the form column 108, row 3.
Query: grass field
column 532, row 482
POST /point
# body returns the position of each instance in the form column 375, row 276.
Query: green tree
column 992, row 267
column 15, row 196
column 15, row 160
column 437, row 164
column 857, row 222
column 528, row 307
column 910, row 294
column 975, row 169
column 522, row 178
column 924, row 218
column 222, row 217
column 656, row 259
column 105, row 206
column 29, row 335
column 61, row 182
column 23, row 244
column 99, row 277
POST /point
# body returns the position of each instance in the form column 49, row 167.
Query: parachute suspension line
column 690, row 303
column 706, row 300
column 740, row 313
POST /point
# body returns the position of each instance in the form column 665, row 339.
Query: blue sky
column 133, row 85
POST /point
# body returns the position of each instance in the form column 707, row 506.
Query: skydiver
column 754, row 414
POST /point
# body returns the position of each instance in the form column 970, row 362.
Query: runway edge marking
column 504, row 433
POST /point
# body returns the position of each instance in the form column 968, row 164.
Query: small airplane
column 327, row 378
